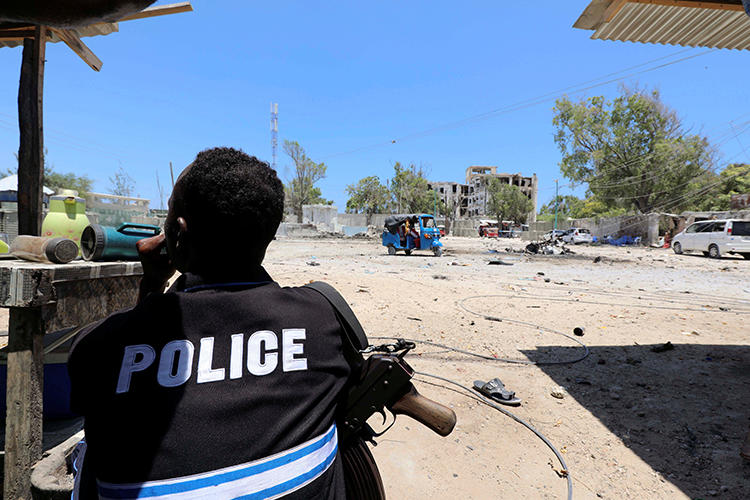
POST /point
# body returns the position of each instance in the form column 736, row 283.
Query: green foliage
column 409, row 190
column 301, row 190
column 121, row 184
column 368, row 196
column 565, row 204
column 734, row 179
column 56, row 180
column 507, row 202
column 632, row 152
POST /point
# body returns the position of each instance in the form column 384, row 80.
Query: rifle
column 385, row 382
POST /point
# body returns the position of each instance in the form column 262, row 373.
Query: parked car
column 715, row 238
column 554, row 234
column 577, row 235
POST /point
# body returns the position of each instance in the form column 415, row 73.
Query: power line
column 527, row 103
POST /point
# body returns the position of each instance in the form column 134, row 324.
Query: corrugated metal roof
column 90, row 30
column 688, row 26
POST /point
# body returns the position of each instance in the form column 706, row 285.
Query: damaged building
column 471, row 198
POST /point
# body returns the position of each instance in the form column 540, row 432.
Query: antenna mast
column 274, row 132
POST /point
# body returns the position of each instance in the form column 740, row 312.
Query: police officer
column 226, row 385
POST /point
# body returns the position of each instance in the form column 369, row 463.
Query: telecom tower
column 274, row 132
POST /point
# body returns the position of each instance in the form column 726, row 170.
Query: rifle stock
column 435, row 416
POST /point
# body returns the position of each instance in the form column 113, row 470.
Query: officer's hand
column 157, row 268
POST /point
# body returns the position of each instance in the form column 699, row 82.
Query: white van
column 715, row 238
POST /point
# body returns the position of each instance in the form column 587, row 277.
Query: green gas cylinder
column 66, row 217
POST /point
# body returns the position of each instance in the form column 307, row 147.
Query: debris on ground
column 556, row 247
column 313, row 263
column 439, row 277
column 558, row 392
column 578, row 331
column 498, row 262
column 495, row 389
column 413, row 319
column 663, row 347
column 597, row 259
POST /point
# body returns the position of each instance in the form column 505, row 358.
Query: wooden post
column 31, row 149
column 23, row 421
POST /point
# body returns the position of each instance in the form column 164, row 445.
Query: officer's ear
column 182, row 234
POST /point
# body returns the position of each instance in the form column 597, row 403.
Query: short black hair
column 226, row 191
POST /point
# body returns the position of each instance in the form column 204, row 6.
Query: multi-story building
column 472, row 197
column 454, row 195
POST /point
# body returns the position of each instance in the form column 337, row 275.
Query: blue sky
column 350, row 77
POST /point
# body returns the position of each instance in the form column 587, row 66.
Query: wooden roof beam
column 16, row 34
column 612, row 10
column 160, row 10
column 694, row 4
column 73, row 41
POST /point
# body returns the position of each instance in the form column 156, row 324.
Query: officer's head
column 223, row 212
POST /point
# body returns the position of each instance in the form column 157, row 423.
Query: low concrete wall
column 295, row 230
column 465, row 228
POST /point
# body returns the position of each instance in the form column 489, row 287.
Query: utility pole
column 274, row 132
column 557, row 203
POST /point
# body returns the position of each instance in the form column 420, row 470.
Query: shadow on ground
column 685, row 411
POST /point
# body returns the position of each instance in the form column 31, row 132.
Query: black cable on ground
column 488, row 402
column 504, row 320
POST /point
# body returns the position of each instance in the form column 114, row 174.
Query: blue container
column 56, row 390
column 109, row 243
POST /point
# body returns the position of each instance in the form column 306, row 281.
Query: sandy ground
column 632, row 424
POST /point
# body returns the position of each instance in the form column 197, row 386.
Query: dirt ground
column 633, row 423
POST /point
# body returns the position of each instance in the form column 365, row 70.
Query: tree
column 409, row 190
column 57, row 181
column 367, row 196
column 734, row 179
column 632, row 152
column 507, row 202
column 301, row 190
column 575, row 208
column 565, row 205
column 121, row 184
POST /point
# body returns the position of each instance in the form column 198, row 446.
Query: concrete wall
column 465, row 227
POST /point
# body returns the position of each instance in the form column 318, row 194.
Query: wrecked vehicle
column 411, row 232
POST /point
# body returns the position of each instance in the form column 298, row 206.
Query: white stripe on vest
column 269, row 477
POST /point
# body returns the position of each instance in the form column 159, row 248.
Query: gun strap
column 355, row 338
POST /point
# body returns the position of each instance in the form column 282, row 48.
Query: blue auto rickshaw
column 412, row 232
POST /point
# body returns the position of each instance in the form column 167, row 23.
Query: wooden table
column 44, row 298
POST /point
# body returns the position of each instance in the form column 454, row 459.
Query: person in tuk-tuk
column 403, row 229
column 413, row 232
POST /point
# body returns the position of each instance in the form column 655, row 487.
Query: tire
column 705, row 254
column 391, row 250
column 407, row 252
column 677, row 248
column 438, row 251
column 713, row 252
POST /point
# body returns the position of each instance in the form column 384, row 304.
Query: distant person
column 226, row 385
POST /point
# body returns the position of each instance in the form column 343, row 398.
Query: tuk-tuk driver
column 226, row 385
